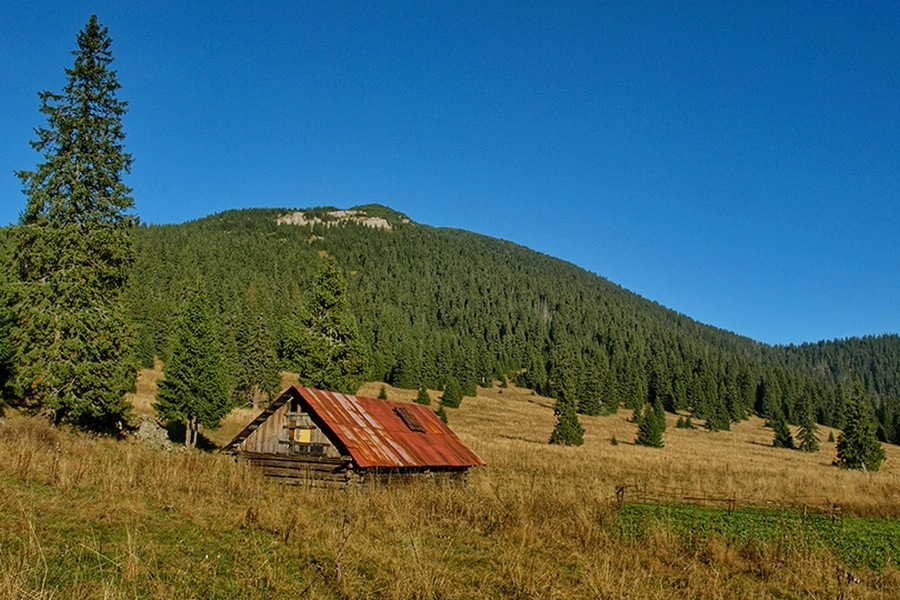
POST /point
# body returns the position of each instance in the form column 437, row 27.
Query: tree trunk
column 190, row 434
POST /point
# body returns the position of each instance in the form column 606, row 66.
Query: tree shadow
column 176, row 430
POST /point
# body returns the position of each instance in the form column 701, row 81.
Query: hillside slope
column 437, row 302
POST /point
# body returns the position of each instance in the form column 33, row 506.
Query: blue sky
column 738, row 162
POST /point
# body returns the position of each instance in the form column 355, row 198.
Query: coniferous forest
column 434, row 303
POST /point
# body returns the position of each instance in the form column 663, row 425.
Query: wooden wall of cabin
column 279, row 433
column 336, row 472
column 299, row 470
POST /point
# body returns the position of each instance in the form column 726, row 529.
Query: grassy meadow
column 87, row 517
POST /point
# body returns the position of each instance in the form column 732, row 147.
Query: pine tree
column 651, row 425
column 323, row 344
column 382, row 393
column 857, row 446
column 193, row 391
column 453, row 394
column 783, row 437
column 73, row 250
column 422, row 397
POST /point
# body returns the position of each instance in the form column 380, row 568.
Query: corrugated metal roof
column 376, row 436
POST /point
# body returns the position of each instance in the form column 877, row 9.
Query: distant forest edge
column 433, row 303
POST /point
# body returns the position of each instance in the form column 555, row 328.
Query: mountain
column 433, row 302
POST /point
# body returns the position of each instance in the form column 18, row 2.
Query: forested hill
column 433, row 302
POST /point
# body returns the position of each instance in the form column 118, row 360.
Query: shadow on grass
column 176, row 436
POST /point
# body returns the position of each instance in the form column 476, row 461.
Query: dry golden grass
column 86, row 517
column 509, row 428
column 145, row 389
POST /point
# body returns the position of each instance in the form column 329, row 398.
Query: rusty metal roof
column 383, row 434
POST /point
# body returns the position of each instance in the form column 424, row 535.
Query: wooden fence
column 642, row 493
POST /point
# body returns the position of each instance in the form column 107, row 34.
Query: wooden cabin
column 325, row 438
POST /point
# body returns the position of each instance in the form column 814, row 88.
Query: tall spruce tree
column 256, row 376
column 73, row 249
column 7, row 325
column 194, row 390
column 590, row 401
column 808, row 434
column 323, row 343
column 568, row 430
column 858, row 446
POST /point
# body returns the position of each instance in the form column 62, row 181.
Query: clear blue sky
column 738, row 162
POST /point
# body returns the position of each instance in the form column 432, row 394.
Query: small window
column 409, row 418
column 311, row 449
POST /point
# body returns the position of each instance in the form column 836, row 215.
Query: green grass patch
column 857, row 542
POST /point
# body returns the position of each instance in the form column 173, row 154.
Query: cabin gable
column 291, row 430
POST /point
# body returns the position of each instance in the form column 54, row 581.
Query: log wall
column 340, row 472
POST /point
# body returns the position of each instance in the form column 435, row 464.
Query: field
column 84, row 517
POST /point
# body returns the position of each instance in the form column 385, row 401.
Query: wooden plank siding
column 335, row 471
column 339, row 472
column 273, row 436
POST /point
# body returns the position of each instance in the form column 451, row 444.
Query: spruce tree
column 568, row 430
column 453, row 394
column 7, row 325
column 563, row 380
column 73, row 250
column 323, row 344
column 651, row 425
column 782, row 437
column 563, row 383
column 718, row 418
column 857, row 445
column 256, row 376
column 194, row 390
column 808, row 434
column 590, row 401
column 422, row 397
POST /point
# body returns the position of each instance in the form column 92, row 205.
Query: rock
column 154, row 435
